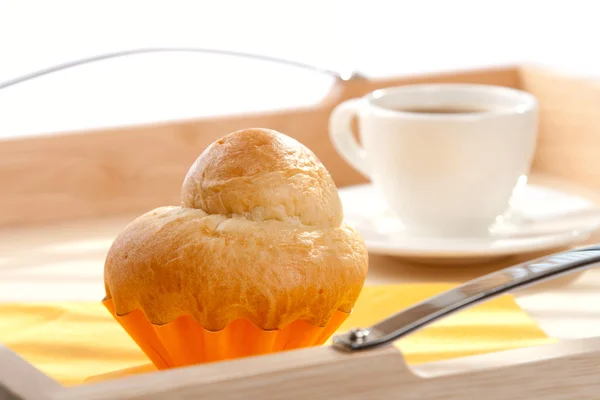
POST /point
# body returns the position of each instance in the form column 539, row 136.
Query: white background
column 376, row 37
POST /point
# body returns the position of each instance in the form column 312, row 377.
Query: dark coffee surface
column 442, row 110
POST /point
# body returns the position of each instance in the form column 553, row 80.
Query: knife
column 467, row 295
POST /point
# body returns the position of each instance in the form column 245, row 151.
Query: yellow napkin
column 72, row 342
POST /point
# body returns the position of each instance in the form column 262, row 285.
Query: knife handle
column 467, row 295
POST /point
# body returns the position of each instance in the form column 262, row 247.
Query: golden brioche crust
column 264, row 175
column 259, row 236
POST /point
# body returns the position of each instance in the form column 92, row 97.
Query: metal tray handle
column 339, row 75
column 473, row 292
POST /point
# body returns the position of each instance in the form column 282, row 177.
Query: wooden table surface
column 64, row 261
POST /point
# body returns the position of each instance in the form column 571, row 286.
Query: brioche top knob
column 261, row 174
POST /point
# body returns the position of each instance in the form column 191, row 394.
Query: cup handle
column 340, row 133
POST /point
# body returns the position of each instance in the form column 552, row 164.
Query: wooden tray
column 106, row 173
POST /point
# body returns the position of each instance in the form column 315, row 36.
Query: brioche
column 259, row 235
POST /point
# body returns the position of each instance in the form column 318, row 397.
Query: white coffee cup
column 441, row 173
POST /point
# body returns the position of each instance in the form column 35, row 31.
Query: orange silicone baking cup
column 184, row 341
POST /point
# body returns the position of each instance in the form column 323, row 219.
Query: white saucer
column 547, row 219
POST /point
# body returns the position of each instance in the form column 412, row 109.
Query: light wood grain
column 19, row 379
column 569, row 142
column 134, row 169
column 566, row 370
